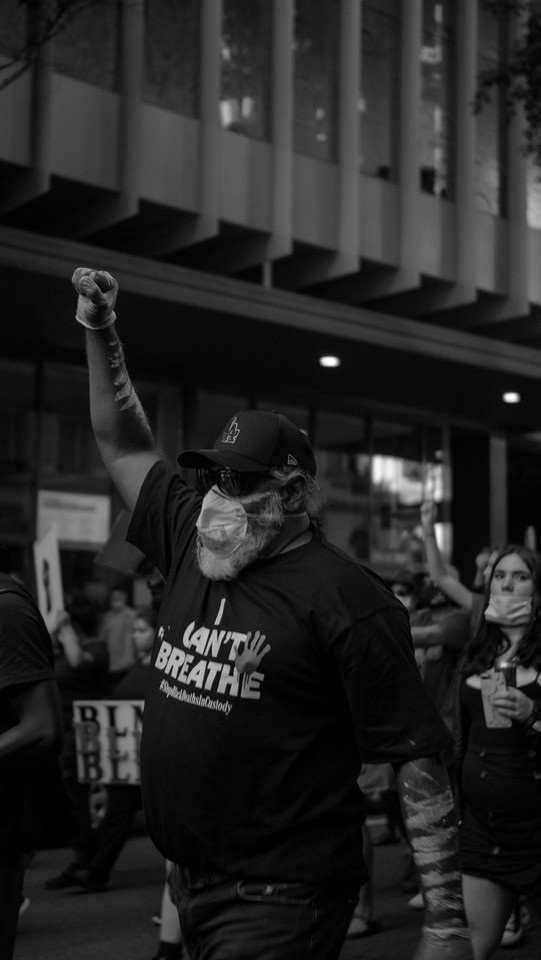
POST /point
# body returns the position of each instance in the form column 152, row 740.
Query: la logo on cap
column 231, row 432
column 292, row 461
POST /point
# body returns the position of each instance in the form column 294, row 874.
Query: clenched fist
column 97, row 291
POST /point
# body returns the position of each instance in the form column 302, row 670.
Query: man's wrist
column 101, row 325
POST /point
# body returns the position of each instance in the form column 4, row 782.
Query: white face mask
column 509, row 611
column 222, row 523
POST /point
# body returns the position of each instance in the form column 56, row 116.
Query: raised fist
column 429, row 513
column 97, row 291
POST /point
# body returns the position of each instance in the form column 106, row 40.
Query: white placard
column 50, row 595
column 108, row 737
column 80, row 518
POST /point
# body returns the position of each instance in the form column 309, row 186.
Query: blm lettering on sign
column 108, row 740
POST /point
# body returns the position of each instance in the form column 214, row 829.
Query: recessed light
column 329, row 361
column 511, row 397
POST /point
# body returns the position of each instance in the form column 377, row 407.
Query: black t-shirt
column 251, row 764
column 26, row 656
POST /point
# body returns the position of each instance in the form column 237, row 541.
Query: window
column 375, row 474
column 378, row 101
column 343, row 459
column 316, row 78
column 17, row 463
column 490, row 120
column 67, row 447
column 436, row 134
column 245, row 78
column 86, row 48
column 12, row 27
column 172, row 39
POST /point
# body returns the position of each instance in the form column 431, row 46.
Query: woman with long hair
column 499, row 750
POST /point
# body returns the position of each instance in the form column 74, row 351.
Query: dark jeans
column 123, row 802
column 233, row 919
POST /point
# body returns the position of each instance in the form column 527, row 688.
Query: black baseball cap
column 255, row 441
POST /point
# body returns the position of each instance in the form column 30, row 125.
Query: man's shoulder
column 26, row 643
column 359, row 585
column 164, row 491
column 335, row 557
column 11, row 587
column 15, row 596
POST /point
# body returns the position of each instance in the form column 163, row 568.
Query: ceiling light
column 329, row 361
column 511, row 397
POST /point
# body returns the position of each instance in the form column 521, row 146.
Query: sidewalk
column 117, row 924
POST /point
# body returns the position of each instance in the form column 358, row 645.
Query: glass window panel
column 67, row 444
column 378, row 102
column 17, row 465
column 245, row 78
column 172, row 55
column 86, row 48
column 436, row 135
column 12, row 28
column 534, row 194
column 316, row 78
column 407, row 468
column 488, row 192
column 342, row 455
column 17, row 417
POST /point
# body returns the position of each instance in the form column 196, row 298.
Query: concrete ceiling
column 233, row 333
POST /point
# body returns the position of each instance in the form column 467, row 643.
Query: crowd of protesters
column 461, row 636
column 434, row 682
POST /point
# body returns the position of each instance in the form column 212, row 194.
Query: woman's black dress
column 500, row 833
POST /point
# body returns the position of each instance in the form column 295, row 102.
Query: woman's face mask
column 222, row 523
column 508, row 611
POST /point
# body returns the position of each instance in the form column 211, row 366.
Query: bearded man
column 280, row 665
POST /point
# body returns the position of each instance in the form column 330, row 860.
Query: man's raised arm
column 120, row 424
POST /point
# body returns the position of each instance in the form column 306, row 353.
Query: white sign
column 80, row 518
column 108, row 737
column 48, row 577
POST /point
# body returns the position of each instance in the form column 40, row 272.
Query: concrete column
column 349, row 187
column 209, row 126
column 409, row 114
column 283, row 19
column 131, row 85
column 516, row 195
column 498, row 489
column 465, row 123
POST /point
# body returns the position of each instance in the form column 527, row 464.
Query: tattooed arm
column 120, row 424
column 429, row 818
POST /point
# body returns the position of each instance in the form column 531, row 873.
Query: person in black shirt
column 30, row 730
column 279, row 665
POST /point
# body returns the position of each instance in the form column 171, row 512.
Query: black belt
column 193, row 879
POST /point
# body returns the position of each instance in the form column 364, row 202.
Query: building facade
column 273, row 182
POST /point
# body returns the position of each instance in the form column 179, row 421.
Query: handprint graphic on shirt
column 249, row 653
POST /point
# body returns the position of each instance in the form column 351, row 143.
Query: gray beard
column 262, row 530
